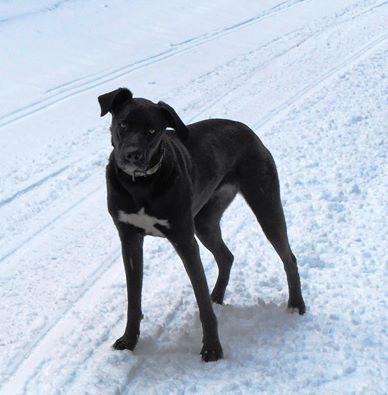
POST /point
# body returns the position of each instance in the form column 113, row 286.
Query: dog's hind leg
column 259, row 185
column 208, row 230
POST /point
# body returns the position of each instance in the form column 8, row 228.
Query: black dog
column 177, row 184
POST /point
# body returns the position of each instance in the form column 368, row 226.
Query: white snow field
column 310, row 77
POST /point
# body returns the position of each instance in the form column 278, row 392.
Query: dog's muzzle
column 144, row 173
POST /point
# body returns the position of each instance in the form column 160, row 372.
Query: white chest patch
column 144, row 221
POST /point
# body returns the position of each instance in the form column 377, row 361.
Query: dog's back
column 222, row 152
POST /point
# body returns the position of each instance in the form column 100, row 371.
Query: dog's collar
column 148, row 172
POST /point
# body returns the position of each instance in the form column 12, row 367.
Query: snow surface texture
column 310, row 77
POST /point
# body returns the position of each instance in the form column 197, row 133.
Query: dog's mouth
column 131, row 166
column 132, row 169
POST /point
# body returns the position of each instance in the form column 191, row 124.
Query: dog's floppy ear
column 174, row 121
column 111, row 101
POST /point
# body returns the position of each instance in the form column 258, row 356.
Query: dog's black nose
column 133, row 155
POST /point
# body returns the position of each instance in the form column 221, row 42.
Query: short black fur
column 199, row 170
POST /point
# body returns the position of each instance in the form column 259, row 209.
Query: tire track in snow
column 35, row 184
column 49, row 224
column 48, row 8
column 18, row 359
column 195, row 41
column 99, row 272
column 321, row 79
column 114, row 74
column 313, row 84
column 156, row 335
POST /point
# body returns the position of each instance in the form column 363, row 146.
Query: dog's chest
column 144, row 221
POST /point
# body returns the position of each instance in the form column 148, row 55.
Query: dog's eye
column 123, row 125
column 151, row 131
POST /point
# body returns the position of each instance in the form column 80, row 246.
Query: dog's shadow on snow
column 245, row 333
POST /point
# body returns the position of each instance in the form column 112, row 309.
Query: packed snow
column 310, row 78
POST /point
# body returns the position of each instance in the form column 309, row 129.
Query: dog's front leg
column 189, row 252
column 132, row 251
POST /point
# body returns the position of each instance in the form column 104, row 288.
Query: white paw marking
column 144, row 221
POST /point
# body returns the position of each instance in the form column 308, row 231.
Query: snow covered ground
column 310, row 77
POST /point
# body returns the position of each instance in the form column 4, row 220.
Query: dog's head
column 137, row 129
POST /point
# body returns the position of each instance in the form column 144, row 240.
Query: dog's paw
column 212, row 353
column 126, row 342
column 217, row 296
column 297, row 305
